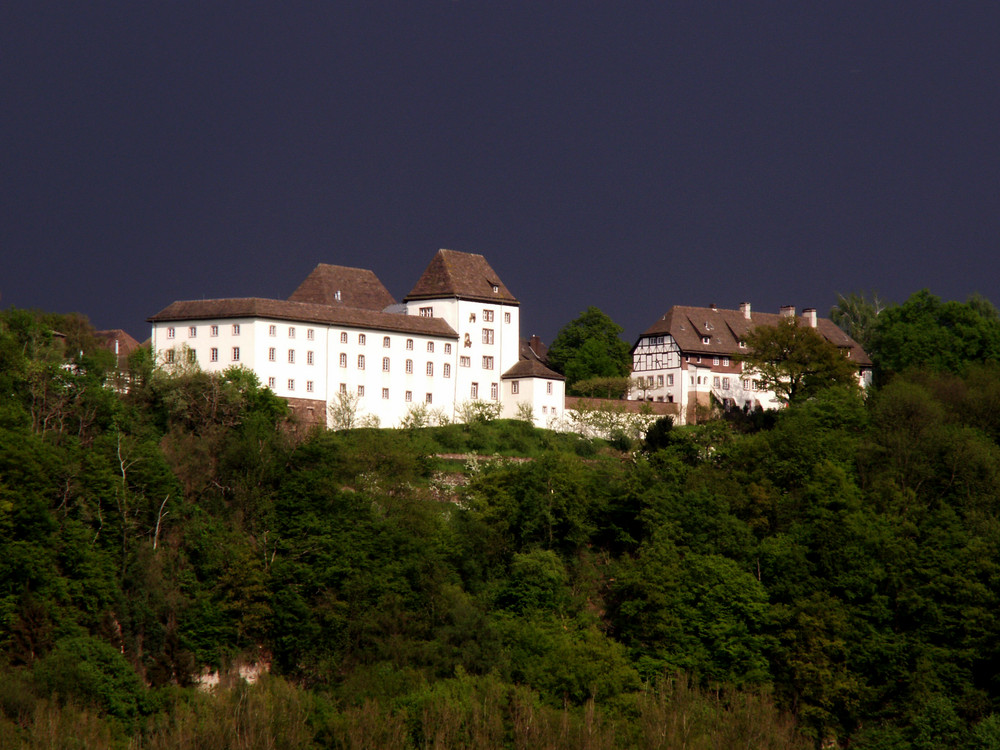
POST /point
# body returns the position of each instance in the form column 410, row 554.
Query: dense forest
column 823, row 576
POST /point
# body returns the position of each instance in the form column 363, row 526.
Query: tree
column 856, row 315
column 942, row 336
column 794, row 361
column 590, row 347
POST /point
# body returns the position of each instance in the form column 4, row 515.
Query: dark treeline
column 826, row 575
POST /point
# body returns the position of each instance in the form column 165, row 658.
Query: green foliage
column 794, row 361
column 590, row 347
column 925, row 332
column 834, row 572
column 856, row 314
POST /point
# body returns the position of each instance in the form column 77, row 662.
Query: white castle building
column 454, row 339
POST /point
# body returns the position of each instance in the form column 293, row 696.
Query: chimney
column 745, row 309
column 787, row 311
column 810, row 315
column 535, row 344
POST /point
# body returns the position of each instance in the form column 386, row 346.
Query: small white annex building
column 692, row 355
column 455, row 338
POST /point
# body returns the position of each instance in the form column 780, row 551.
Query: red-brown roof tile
column 463, row 275
column 342, row 286
column 305, row 312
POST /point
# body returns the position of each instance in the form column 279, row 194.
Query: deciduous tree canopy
column 589, row 347
column 794, row 361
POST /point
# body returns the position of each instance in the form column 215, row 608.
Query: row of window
column 272, row 356
column 213, row 330
column 291, row 384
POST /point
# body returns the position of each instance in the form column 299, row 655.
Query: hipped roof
column 343, row 286
column 462, row 275
column 303, row 312
column 726, row 328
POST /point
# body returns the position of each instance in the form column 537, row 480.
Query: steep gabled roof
column 462, row 275
column 342, row 286
column 304, row 312
column 724, row 329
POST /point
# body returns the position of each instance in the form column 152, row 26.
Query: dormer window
column 495, row 289
column 706, row 340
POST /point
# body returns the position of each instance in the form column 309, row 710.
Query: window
column 385, row 342
column 716, row 382
column 361, row 391
column 475, row 390
column 506, row 317
column 426, row 312
column 465, row 361
column 409, row 345
column 409, row 367
column 699, row 360
column 409, row 396
column 487, row 335
column 670, row 379
column 310, row 334
column 309, row 358
column 746, row 385
column 548, row 387
column 343, row 337
column 236, row 354
column 272, row 330
column 430, row 347
column 446, row 370
column 743, row 345
column 715, row 360
column 487, row 316
column 706, row 340
column 361, row 361
column 291, row 356
column 725, row 361
column 236, row 329
column 291, row 384
column 215, row 330
column 291, row 332
column 213, row 354
column 487, row 363
column 496, row 288
column 385, row 364
column 192, row 332
column 515, row 387
column 271, row 354
column 168, row 355
column 430, row 369
column 494, row 391
column 171, row 333
column 361, row 339
column 270, row 383
column 309, row 386
column 343, row 388
column 429, row 399
column 725, row 384
column 385, row 393
column 659, row 381
column 447, row 348
column 343, row 360
column 545, row 410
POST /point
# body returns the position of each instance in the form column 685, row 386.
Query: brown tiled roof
column 726, row 328
column 303, row 312
column 107, row 339
column 531, row 368
column 342, row 286
column 463, row 275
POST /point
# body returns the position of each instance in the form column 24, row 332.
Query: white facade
column 436, row 351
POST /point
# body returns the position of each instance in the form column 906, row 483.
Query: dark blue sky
column 626, row 155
